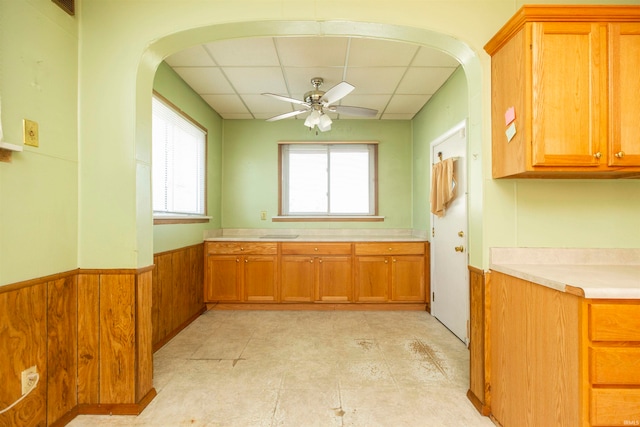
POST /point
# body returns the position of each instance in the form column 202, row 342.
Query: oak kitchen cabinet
column 564, row 79
column 316, row 272
column 390, row 272
column 241, row 272
column 559, row 331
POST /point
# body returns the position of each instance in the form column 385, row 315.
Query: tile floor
column 309, row 368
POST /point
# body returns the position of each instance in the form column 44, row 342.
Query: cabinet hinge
column 433, row 232
column 433, row 296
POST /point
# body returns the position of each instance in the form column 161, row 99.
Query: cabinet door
column 260, row 273
column 334, row 278
column 222, row 278
column 569, row 86
column 372, row 278
column 407, row 278
column 297, row 278
column 624, row 60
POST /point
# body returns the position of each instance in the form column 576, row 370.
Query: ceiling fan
column 319, row 103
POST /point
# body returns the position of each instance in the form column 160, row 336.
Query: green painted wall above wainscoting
column 250, row 170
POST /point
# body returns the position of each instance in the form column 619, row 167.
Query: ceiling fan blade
column 354, row 111
column 285, row 98
column 286, row 115
column 336, row 93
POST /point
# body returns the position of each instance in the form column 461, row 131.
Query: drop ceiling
column 395, row 78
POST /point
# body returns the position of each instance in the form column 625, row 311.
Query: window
column 178, row 163
column 337, row 179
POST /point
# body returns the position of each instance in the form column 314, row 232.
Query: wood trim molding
column 117, row 408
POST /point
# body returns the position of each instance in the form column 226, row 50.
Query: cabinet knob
column 394, row 260
column 459, row 248
column 597, row 155
column 390, row 249
column 320, row 261
column 237, row 260
column 246, row 260
column 311, row 261
column 619, row 154
column 386, row 261
column 315, row 249
column 241, row 248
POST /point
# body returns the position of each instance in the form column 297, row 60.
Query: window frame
column 284, row 217
column 182, row 218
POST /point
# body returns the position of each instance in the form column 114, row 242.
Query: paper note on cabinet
column 509, row 116
column 511, row 131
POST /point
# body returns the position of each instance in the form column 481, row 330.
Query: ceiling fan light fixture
column 312, row 119
column 324, row 123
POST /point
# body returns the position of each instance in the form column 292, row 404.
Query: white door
column 449, row 260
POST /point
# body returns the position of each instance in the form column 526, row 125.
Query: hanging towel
column 443, row 186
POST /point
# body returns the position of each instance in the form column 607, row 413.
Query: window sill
column 180, row 219
column 331, row 218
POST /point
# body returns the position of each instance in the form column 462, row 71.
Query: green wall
column 250, row 170
column 172, row 87
column 39, row 188
column 82, row 199
column 446, row 108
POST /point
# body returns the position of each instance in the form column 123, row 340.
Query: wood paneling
column 23, row 343
column 178, row 291
column 88, row 339
column 144, row 336
column 479, row 393
column 62, row 325
column 535, row 366
column 117, row 338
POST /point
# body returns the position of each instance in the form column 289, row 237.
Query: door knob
column 459, row 248
column 461, row 233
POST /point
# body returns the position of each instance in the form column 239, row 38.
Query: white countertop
column 592, row 273
column 313, row 235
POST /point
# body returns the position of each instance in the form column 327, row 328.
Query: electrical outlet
column 263, row 215
column 30, row 133
column 28, row 379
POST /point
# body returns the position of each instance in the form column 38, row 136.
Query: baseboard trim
column 483, row 409
column 320, row 306
column 117, row 408
column 157, row 346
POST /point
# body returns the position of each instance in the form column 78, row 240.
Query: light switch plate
column 30, row 133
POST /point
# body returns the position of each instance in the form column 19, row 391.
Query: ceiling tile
column 375, row 53
column 244, row 52
column 265, row 104
column 205, row 79
column 225, row 104
column 195, row 56
column 394, row 116
column 247, row 80
column 377, row 102
column 406, row 103
column 428, row 57
column 312, row 51
column 375, row 80
column 424, row 80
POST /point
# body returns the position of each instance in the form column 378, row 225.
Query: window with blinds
column 178, row 162
column 328, row 179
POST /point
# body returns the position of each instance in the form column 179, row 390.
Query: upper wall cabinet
column 565, row 85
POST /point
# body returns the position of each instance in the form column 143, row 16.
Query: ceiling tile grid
column 395, row 78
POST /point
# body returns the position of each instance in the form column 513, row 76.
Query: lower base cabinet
column 316, row 272
column 559, row 359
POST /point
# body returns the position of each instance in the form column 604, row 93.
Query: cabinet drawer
column 390, row 248
column 615, row 407
column 316, row 248
column 614, row 322
column 237, row 248
column 620, row 365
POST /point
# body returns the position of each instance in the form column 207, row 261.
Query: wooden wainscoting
column 479, row 390
column 88, row 332
column 178, row 287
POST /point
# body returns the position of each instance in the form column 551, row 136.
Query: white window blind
column 178, row 168
column 326, row 179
